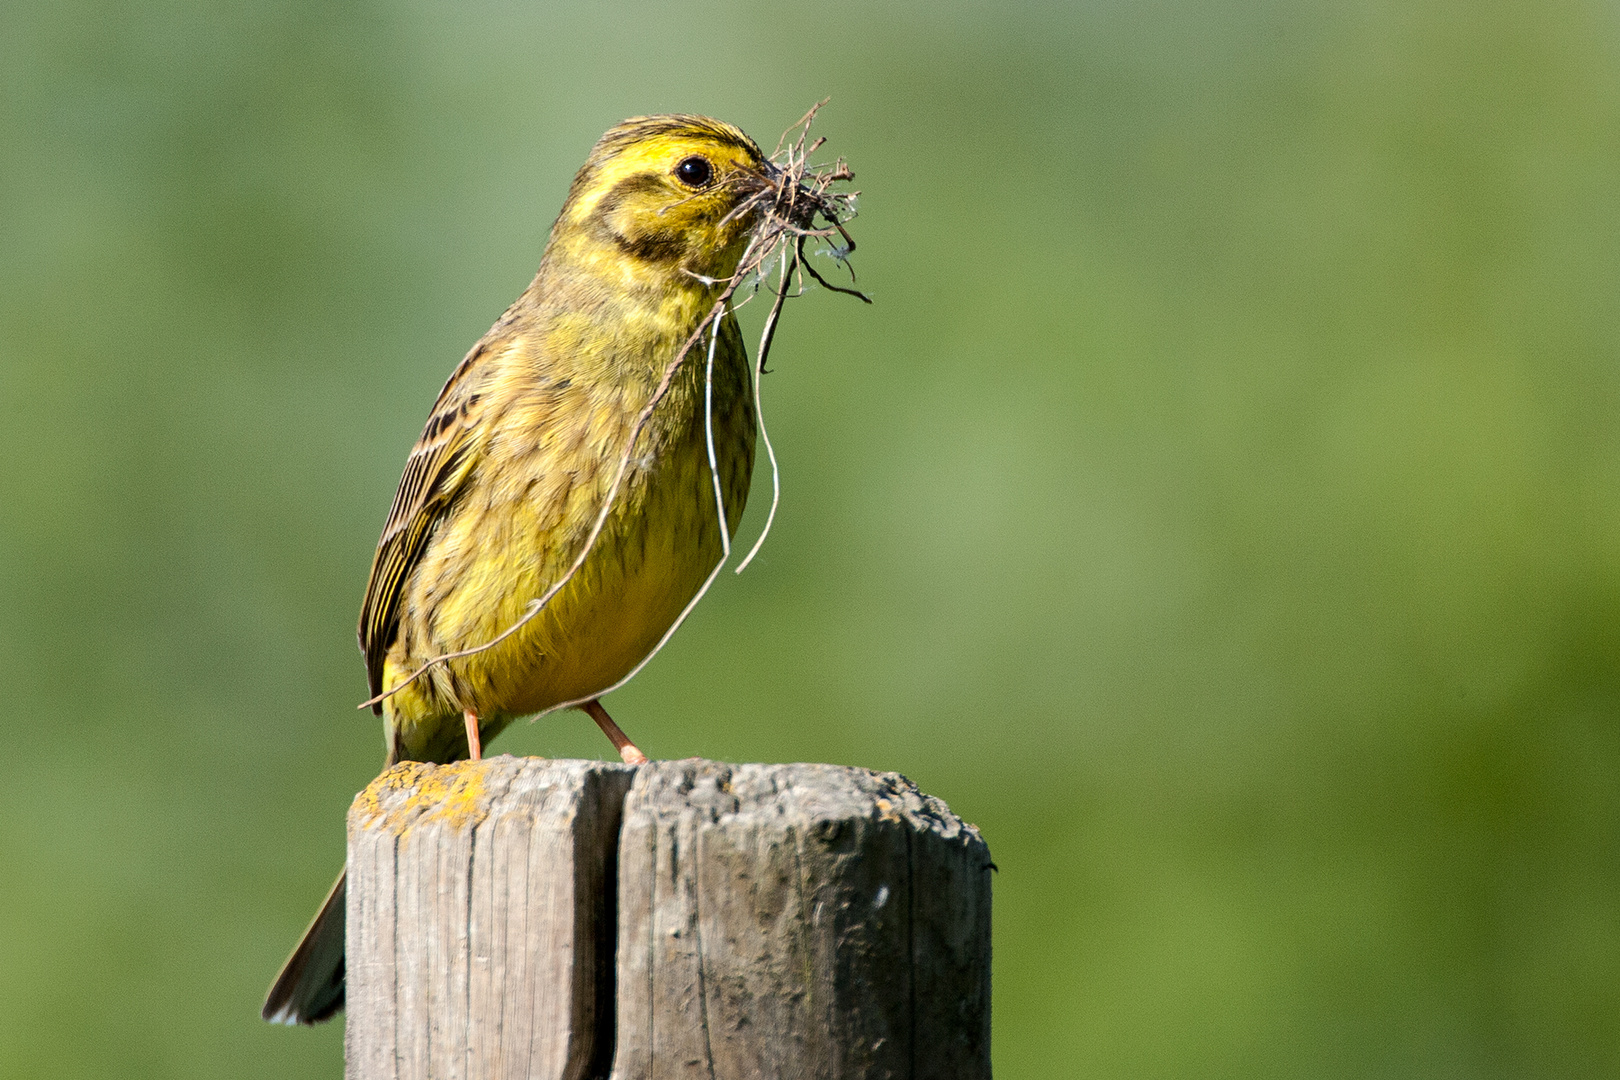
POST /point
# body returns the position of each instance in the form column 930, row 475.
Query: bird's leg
column 621, row 742
column 475, row 747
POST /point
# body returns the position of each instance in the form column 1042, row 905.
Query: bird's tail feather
column 310, row 986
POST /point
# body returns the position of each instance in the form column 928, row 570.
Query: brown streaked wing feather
column 439, row 462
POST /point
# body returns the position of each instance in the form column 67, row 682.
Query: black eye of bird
column 694, row 172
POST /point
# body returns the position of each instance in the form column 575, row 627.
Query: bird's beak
column 764, row 177
column 790, row 198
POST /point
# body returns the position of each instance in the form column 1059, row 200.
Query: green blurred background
column 1220, row 505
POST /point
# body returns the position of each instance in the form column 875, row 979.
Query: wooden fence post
column 479, row 920
column 771, row 920
column 799, row 921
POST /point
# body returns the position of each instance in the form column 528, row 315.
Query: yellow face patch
column 661, row 160
column 666, row 195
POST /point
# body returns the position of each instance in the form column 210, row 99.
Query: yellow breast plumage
column 542, row 471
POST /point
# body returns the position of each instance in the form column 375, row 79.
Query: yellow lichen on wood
column 886, row 810
column 415, row 792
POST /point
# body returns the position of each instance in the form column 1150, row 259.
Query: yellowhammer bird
column 559, row 511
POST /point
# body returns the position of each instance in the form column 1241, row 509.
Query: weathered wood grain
column 799, row 921
column 480, row 927
column 771, row 921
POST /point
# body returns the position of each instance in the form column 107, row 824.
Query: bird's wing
column 440, row 462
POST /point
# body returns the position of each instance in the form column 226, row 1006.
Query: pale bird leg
column 475, row 747
column 621, row 742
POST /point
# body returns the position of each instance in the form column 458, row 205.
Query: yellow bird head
column 665, row 192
